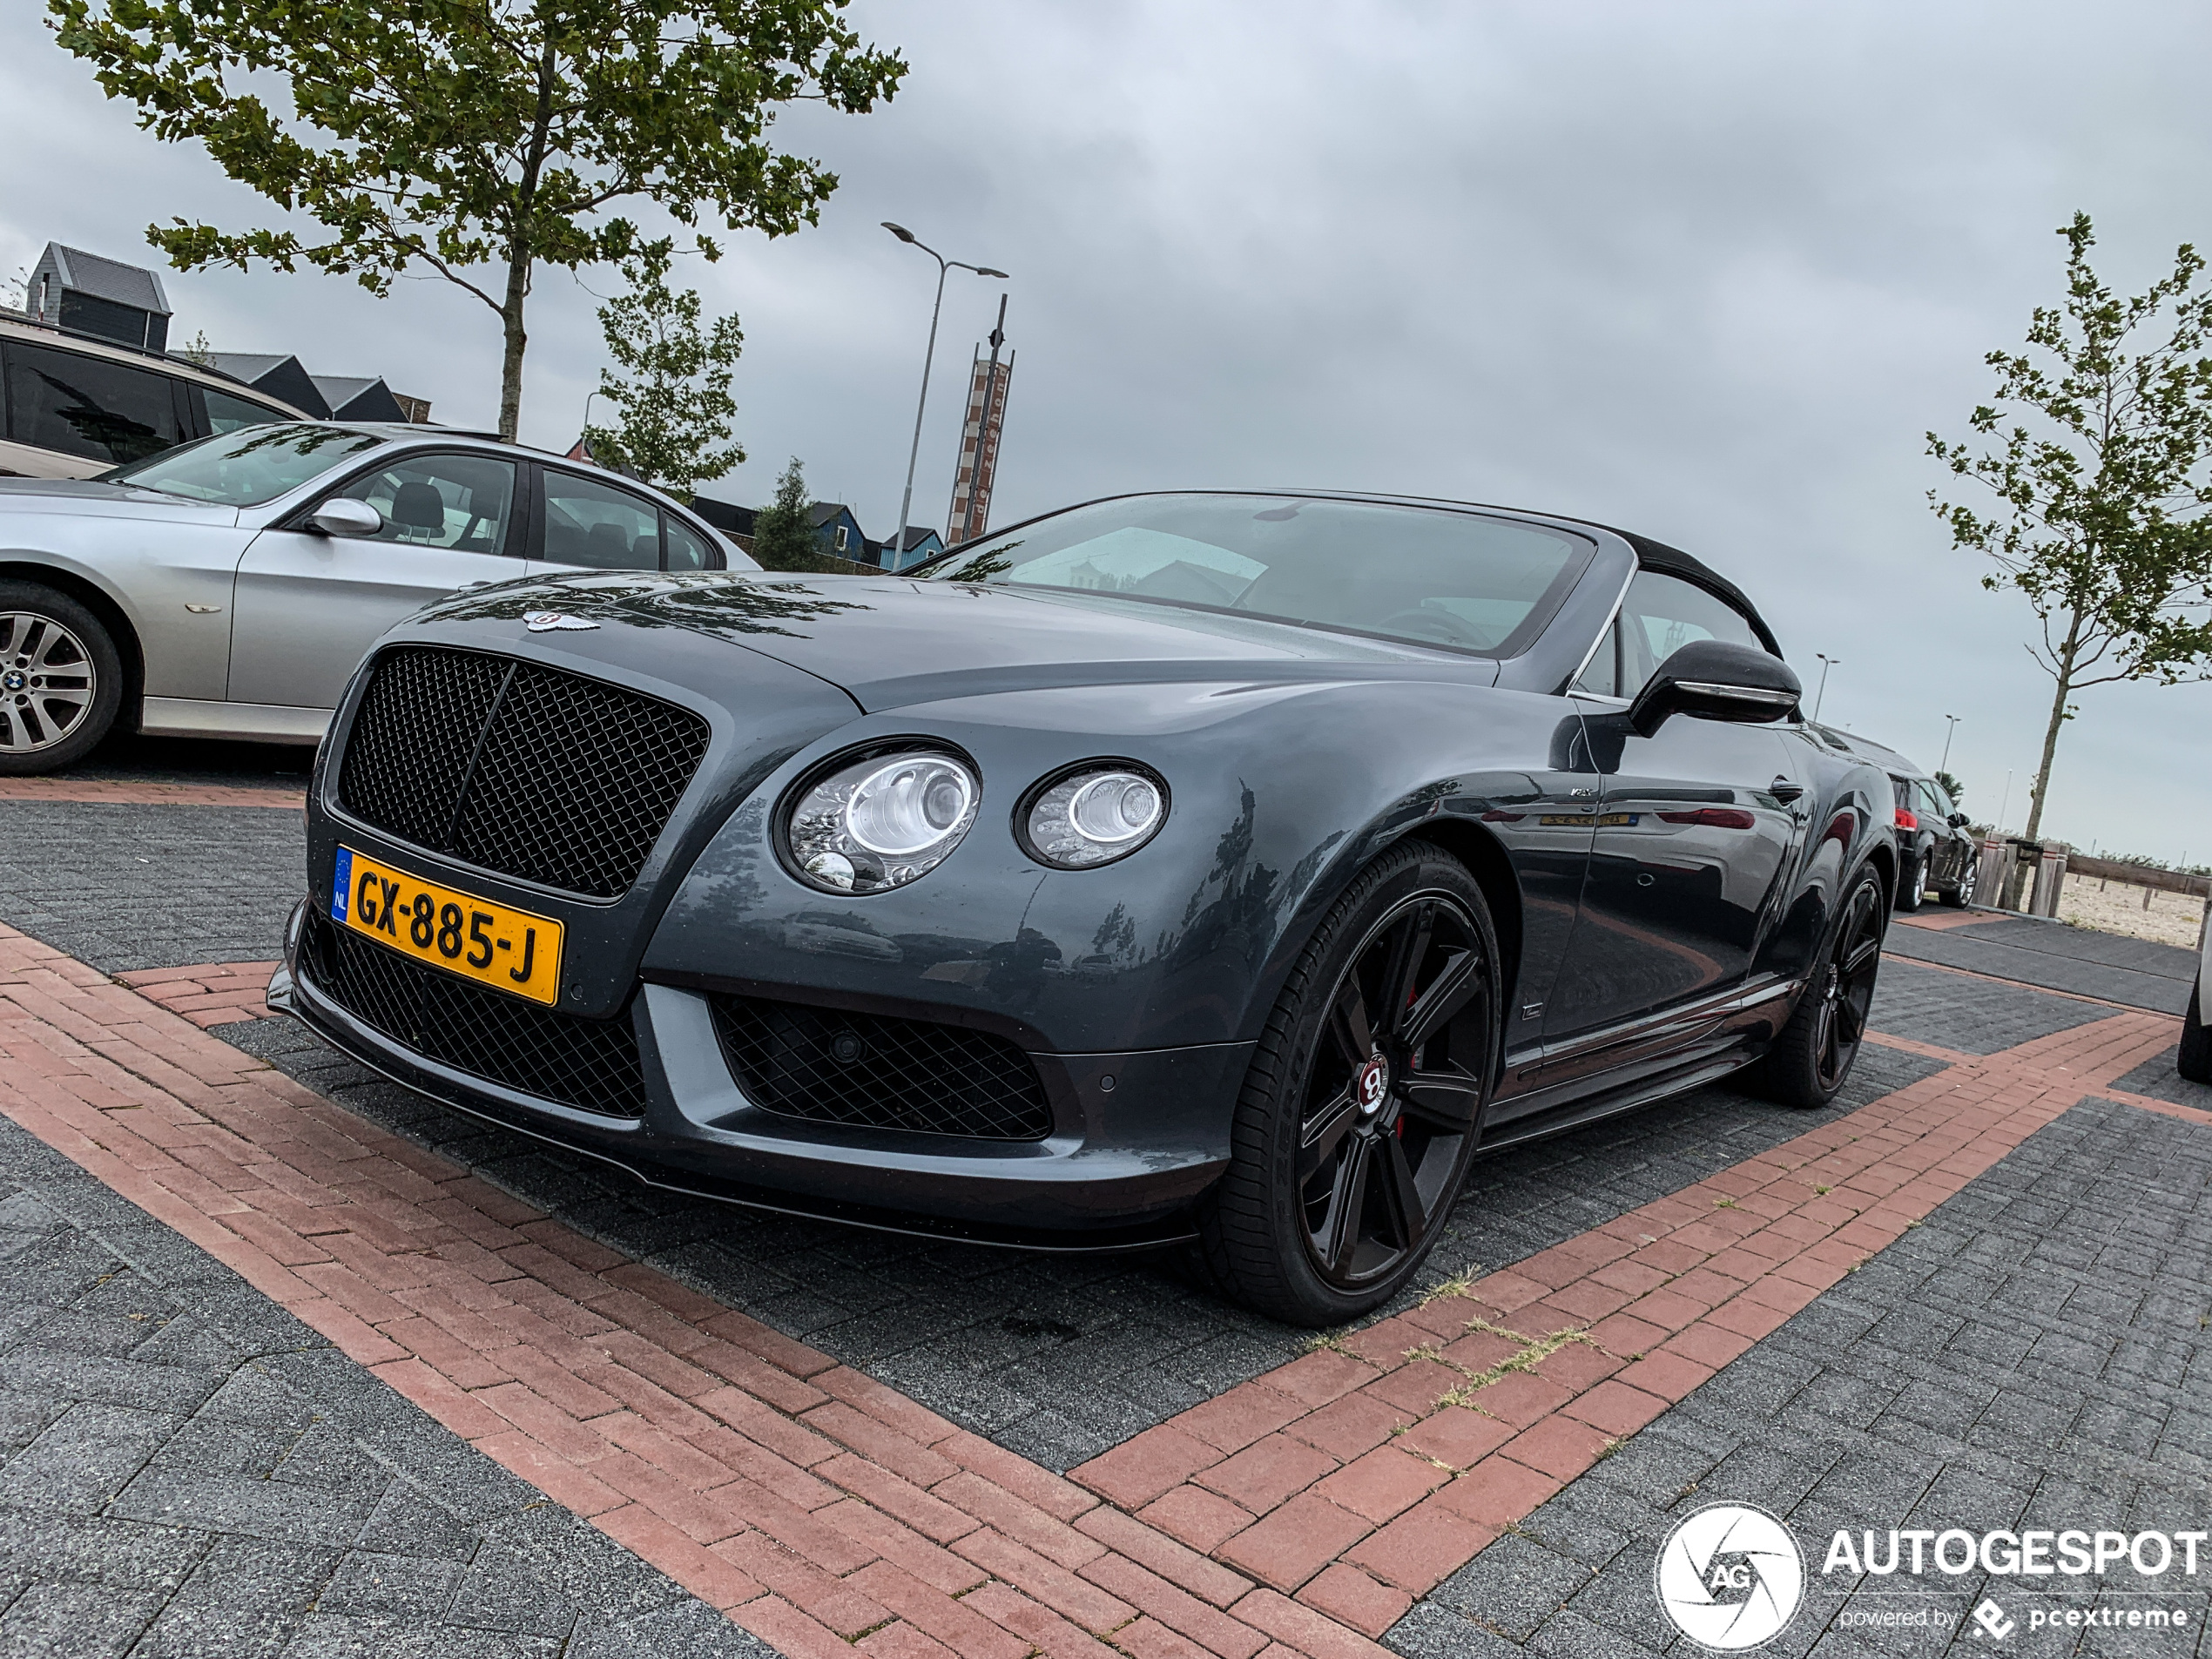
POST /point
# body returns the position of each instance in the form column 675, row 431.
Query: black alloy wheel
column 1812, row 1059
column 1360, row 1115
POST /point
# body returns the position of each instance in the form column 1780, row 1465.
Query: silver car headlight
column 882, row 822
column 1101, row 812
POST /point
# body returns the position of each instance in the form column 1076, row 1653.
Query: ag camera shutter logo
column 1730, row 1576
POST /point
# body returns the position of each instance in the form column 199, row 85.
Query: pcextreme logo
column 1730, row 1576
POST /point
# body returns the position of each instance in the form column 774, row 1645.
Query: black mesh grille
column 590, row 1064
column 518, row 768
column 879, row 1073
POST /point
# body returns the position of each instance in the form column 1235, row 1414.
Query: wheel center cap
column 1372, row 1085
column 14, row 680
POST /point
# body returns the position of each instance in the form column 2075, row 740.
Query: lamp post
column 905, row 501
column 1826, row 663
column 1949, row 732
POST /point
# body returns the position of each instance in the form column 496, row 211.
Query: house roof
column 354, row 397
column 819, row 513
column 129, row 285
column 916, row 536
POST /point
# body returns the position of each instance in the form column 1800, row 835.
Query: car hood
column 82, row 496
column 891, row 641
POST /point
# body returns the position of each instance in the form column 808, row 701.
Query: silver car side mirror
column 343, row 515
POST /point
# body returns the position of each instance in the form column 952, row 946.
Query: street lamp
column 906, row 502
column 1949, row 732
column 1826, row 663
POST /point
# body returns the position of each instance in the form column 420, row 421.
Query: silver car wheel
column 48, row 682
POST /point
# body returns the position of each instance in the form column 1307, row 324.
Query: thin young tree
column 673, row 390
column 2099, row 453
column 480, row 139
column 784, row 537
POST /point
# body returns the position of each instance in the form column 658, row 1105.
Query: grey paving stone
column 186, row 1471
column 1901, row 1414
column 104, row 888
column 75, row 1621
column 1973, row 1016
column 2157, row 1078
column 2136, row 972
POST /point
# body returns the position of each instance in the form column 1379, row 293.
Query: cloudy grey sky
column 1705, row 270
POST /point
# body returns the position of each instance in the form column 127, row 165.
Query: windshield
column 245, row 467
column 1429, row 576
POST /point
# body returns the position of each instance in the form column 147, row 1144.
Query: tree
column 2101, row 485
column 675, row 403
column 784, row 537
column 456, row 134
column 1951, row 787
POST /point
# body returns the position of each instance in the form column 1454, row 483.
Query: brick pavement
column 1056, row 1358
column 135, row 792
column 725, row 1452
column 124, row 887
column 2033, row 1356
column 2136, row 972
column 207, row 994
column 186, row 1469
column 1359, row 1477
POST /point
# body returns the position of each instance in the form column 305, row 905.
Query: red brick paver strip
column 148, row 795
column 208, row 993
column 1297, row 1513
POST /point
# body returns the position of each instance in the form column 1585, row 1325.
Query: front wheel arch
column 104, row 605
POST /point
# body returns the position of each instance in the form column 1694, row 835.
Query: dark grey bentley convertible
column 1226, row 867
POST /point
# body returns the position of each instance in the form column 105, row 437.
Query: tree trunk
column 510, row 368
column 2057, row 719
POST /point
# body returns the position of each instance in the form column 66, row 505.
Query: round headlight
column 882, row 822
column 1095, row 816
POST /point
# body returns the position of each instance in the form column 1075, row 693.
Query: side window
column 225, row 413
column 1936, row 801
column 464, row 503
column 1662, row 613
column 598, row 526
column 687, row 550
column 1603, row 672
column 87, row 406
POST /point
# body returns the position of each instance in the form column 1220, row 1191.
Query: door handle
column 1785, row 791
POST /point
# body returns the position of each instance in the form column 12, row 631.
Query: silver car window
column 248, row 466
column 464, row 503
column 598, row 526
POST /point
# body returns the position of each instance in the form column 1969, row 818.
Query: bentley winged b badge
column 547, row 622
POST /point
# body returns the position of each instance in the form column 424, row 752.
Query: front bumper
column 1137, row 1138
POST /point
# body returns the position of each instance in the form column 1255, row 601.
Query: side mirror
column 1711, row 679
column 1957, row 820
column 343, row 516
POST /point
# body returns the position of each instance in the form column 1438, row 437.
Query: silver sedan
column 228, row 588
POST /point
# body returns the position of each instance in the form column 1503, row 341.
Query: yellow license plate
column 511, row 950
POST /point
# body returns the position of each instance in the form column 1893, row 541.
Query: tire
column 61, row 679
column 1812, row 1059
column 1353, row 1133
column 1960, row 894
column 2195, row 1060
column 1913, row 885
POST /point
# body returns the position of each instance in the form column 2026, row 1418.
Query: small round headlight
column 882, row 822
column 1095, row 815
